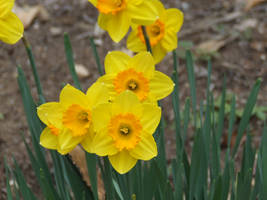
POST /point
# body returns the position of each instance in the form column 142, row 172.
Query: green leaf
column 192, row 83
column 97, row 59
column 117, row 189
column 8, row 189
column 91, row 160
column 246, row 114
column 26, row 192
column 70, row 60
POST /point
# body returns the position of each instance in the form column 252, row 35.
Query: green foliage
column 202, row 178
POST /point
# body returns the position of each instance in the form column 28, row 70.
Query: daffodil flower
column 69, row 121
column 162, row 33
column 136, row 74
column 11, row 28
column 124, row 131
column 116, row 16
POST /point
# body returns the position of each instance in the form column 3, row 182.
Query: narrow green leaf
column 192, row 83
column 79, row 187
column 91, row 167
column 117, row 189
column 8, row 189
column 97, row 59
column 148, row 46
column 70, row 60
column 25, row 191
column 34, row 69
column 246, row 114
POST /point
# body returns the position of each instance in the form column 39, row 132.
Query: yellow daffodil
column 137, row 74
column 116, row 16
column 11, row 28
column 162, row 33
column 69, row 121
column 124, row 130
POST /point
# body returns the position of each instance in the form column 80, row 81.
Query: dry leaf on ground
column 78, row 158
column 252, row 3
column 28, row 13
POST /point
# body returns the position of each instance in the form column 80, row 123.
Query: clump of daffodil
column 69, row 121
column 11, row 28
column 124, row 130
column 116, row 16
column 136, row 74
column 162, row 33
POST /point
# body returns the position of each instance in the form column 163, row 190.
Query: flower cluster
column 162, row 25
column 11, row 28
column 118, row 115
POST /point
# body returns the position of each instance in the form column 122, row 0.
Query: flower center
column 77, row 119
column 111, row 6
column 132, row 80
column 125, row 131
column 132, row 85
column 154, row 31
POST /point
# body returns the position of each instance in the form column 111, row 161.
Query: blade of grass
column 97, row 59
column 70, row 60
column 26, row 192
column 91, row 161
column 34, row 68
column 148, row 46
column 8, row 188
column 246, row 114
column 192, row 83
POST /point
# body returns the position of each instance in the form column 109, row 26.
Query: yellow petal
column 169, row 42
column 174, row 19
column 158, row 53
column 70, row 95
column 135, row 2
column 125, row 102
column 87, row 142
column 160, row 86
column 6, row 7
column 101, row 116
column 122, row 162
column 64, row 151
column 67, row 141
column 116, row 61
column 103, row 144
column 116, row 25
column 143, row 14
column 146, row 149
column 150, row 118
column 48, row 139
column 51, row 114
column 11, row 28
column 107, row 80
column 97, row 94
column 134, row 43
column 143, row 62
column 94, row 2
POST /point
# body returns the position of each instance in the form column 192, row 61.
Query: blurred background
column 233, row 33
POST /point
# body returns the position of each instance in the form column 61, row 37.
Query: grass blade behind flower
column 70, row 60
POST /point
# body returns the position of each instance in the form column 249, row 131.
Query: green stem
column 70, row 60
column 148, row 46
column 34, row 69
column 97, row 59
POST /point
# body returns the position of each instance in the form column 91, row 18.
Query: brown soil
column 242, row 60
